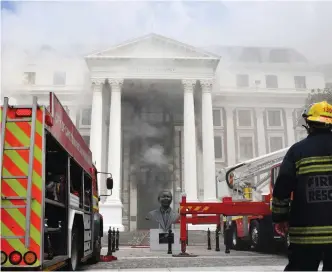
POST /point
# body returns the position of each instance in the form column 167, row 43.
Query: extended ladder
column 28, row 198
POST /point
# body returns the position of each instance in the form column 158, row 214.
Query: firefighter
column 306, row 175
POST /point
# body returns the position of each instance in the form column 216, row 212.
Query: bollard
column 169, row 240
column 228, row 238
column 217, row 239
column 109, row 245
column 209, row 239
column 113, row 240
column 117, row 239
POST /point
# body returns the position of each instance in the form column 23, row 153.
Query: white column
column 114, row 139
column 190, row 175
column 230, row 141
column 290, row 127
column 261, row 136
column 112, row 208
column 208, row 142
column 96, row 124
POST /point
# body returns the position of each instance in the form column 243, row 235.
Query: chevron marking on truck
column 16, row 163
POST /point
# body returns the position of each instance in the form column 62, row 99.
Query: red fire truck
column 49, row 191
column 250, row 181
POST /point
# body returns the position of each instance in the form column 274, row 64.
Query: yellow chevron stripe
column 25, row 139
column 19, row 218
column 21, row 191
column 197, row 208
column 206, row 208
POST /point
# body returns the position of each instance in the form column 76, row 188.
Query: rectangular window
column 85, row 117
column 271, row 81
column 246, row 148
column 217, row 118
column 300, row 82
column 218, row 147
column 242, row 80
column 29, row 78
column 244, row 118
column 276, row 143
column 274, row 118
column 59, row 78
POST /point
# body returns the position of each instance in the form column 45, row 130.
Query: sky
column 81, row 27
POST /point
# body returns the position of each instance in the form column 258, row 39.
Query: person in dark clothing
column 302, row 196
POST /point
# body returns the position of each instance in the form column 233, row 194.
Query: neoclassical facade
column 161, row 114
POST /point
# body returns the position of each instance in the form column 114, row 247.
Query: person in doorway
column 306, row 175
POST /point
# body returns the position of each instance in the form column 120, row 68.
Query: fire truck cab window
column 56, row 171
column 76, row 181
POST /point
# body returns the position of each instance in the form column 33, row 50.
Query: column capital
column 206, row 85
column 189, row 85
column 116, row 83
column 97, row 84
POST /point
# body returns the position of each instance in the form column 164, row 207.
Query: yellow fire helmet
column 320, row 112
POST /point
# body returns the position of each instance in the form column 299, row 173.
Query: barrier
column 110, row 246
column 213, row 212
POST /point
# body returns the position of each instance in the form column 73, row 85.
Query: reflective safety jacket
column 307, row 172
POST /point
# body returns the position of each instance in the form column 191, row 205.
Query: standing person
column 306, row 174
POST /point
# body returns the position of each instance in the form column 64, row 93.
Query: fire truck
column 49, row 190
column 252, row 181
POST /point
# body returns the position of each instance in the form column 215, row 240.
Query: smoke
column 137, row 129
column 155, row 155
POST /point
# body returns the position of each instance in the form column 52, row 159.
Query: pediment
column 154, row 46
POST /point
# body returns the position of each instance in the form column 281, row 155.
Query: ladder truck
column 49, row 190
column 250, row 181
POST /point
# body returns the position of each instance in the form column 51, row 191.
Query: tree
column 317, row 95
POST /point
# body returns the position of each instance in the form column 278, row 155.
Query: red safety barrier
column 213, row 210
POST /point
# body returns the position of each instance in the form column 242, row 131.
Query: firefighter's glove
column 282, row 228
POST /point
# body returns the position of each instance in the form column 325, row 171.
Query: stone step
column 142, row 238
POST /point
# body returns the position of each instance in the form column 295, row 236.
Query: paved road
column 142, row 258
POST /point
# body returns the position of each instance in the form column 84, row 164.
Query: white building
column 163, row 114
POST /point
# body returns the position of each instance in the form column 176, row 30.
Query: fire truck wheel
column 256, row 236
column 237, row 242
column 74, row 259
column 96, row 251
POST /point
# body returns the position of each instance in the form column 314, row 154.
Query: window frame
column 80, row 124
column 268, row 126
column 245, row 135
column 220, row 133
column 305, row 82
column 27, row 83
column 221, row 115
column 251, row 117
column 275, row 135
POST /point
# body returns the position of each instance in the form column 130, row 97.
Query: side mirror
column 109, row 183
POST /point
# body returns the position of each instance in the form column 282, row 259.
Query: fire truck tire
column 75, row 257
column 257, row 240
column 96, row 251
column 237, row 242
